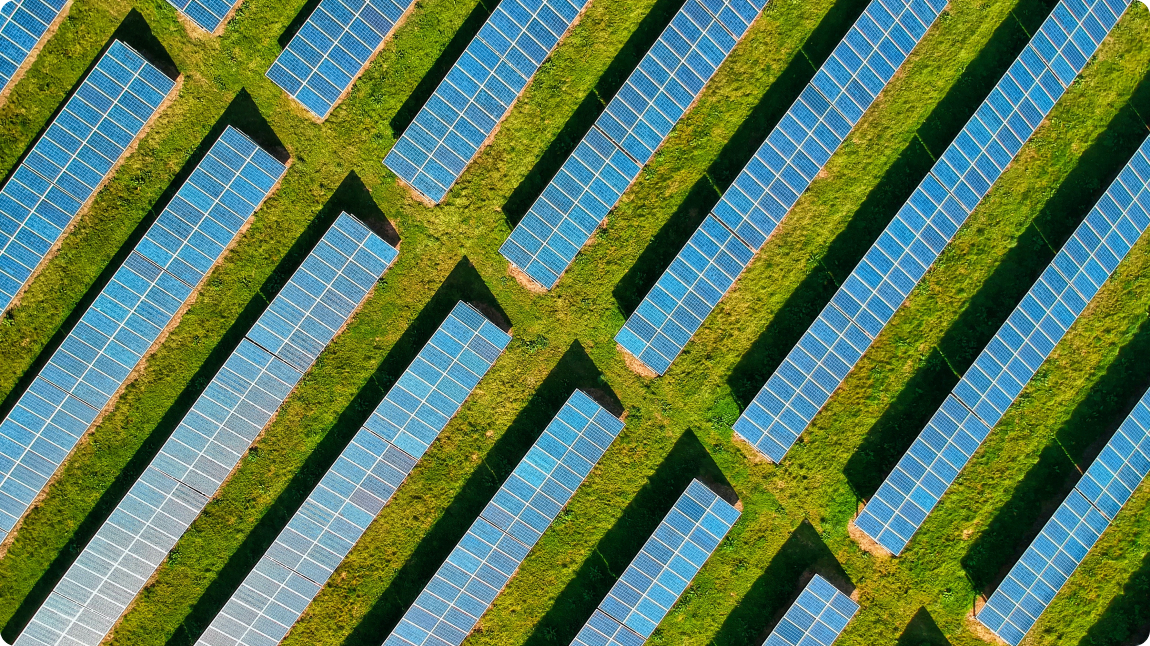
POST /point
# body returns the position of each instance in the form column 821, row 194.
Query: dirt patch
column 636, row 366
column 526, row 281
column 868, row 544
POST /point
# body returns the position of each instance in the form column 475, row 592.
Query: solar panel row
column 487, row 556
column 662, row 570
column 209, row 15
column 478, row 92
column 359, row 484
column 1011, row 358
column 625, row 137
column 892, row 267
column 332, row 49
column 142, row 299
column 208, row 443
column 23, row 25
column 784, row 166
column 74, row 156
column 1069, row 535
column 816, row 618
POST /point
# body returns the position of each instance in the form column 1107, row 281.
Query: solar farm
column 587, row 322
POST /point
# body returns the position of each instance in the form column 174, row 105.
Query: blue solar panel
column 1011, row 358
column 497, row 542
column 816, row 618
column 23, row 26
column 922, row 228
column 781, row 170
column 625, row 137
column 478, row 92
column 133, row 309
column 359, row 484
column 208, row 14
column 1064, row 542
column 192, row 464
column 74, row 157
column 332, row 48
column 662, row 570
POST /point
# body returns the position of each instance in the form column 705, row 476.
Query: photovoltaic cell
column 73, row 157
column 1011, row 358
column 359, row 484
column 1064, row 542
column 662, row 570
column 478, row 92
column 781, row 170
column 497, row 542
column 23, row 24
column 112, row 336
column 625, row 137
column 332, row 48
column 208, row 14
column 892, row 267
column 817, row 617
column 208, row 443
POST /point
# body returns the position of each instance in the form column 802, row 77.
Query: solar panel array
column 1077, row 524
column 208, row 443
column 892, row 267
column 625, row 137
column 73, row 157
column 1011, row 358
column 23, row 24
column 478, row 92
column 332, row 48
column 662, row 570
column 816, row 618
column 157, row 278
column 359, row 484
column 784, row 166
column 495, row 545
column 208, row 14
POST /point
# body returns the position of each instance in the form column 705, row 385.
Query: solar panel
column 1011, row 358
column 23, row 27
column 1069, row 535
column 816, row 618
column 76, row 154
column 780, row 171
column 625, row 137
column 892, row 267
column 495, row 545
column 359, row 484
column 662, row 570
column 191, row 465
column 209, row 15
column 142, row 299
column 332, row 49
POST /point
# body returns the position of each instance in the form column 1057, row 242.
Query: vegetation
column 678, row 426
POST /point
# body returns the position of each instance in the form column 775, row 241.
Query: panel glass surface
column 781, row 170
column 892, row 267
column 208, row 14
column 23, row 24
column 816, row 618
column 623, row 138
column 74, row 156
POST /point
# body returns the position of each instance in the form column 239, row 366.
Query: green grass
column 796, row 514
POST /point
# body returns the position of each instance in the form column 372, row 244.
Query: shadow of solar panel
column 362, row 480
column 74, row 156
column 478, row 92
column 332, row 49
column 625, row 137
column 1011, row 358
column 891, row 268
column 220, row 426
column 142, row 299
column 23, row 25
column 209, row 15
column 662, row 570
column 780, row 171
column 816, row 618
column 487, row 556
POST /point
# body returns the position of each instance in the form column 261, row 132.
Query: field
column 796, row 514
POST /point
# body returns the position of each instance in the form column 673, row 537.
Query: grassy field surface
column 796, row 515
